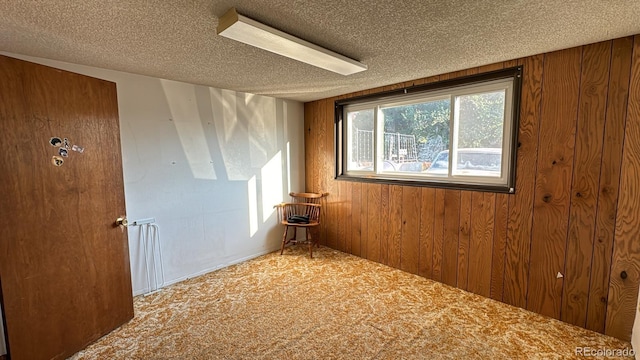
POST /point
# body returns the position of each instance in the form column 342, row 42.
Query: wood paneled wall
column 560, row 244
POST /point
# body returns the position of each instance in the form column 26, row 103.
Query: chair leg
column 308, row 235
column 295, row 233
column 284, row 239
column 316, row 242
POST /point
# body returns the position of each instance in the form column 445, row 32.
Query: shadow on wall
column 208, row 165
column 244, row 135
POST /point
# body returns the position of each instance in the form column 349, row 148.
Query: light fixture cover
column 240, row 28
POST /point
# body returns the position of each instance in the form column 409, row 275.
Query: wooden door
column 64, row 265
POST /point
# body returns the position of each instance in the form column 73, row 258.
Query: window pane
column 414, row 135
column 455, row 134
column 361, row 138
column 479, row 122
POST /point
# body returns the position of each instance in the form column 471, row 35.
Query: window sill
column 448, row 185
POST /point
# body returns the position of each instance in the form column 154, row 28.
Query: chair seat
column 311, row 223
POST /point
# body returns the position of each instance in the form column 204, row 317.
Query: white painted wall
column 207, row 164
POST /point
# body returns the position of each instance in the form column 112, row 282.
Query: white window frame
column 505, row 80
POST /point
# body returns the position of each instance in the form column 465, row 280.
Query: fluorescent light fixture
column 240, row 28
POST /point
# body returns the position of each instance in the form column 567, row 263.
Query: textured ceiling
column 398, row 40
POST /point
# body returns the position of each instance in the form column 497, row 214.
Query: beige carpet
column 334, row 306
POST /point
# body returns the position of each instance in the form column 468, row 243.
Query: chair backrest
column 307, row 197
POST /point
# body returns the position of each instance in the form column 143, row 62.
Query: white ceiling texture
column 397, row 40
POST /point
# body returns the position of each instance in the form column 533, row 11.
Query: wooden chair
column 303, row 211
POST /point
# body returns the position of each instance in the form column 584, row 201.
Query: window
column 459, row 133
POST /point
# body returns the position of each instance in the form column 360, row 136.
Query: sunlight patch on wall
column 288, row 167
column 232, row 133
column 181, row 98
column 247, row 130
column 253, row 206
column 229, row 113
column 261, row 114
column 271, row 175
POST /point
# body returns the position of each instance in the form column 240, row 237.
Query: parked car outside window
column 470, row 162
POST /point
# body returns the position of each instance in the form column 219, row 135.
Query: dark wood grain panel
column 356, row 228
column 499, row 246
column 409, row 250
column 310, row 146
column 318, row 133
column 395, row 225
column 586, row 180
column 464, row 253
column 451, row 231
column 609, row 181
column 481, row 249
column 392, row 87
column 330, row 184
column 427, row 215
column 347, row 190
column 342, row 216
column 426, row 80
column 438, row 235
column 511, row 63
column 476, row 237
column 623, row 290
column 373, row 222
column 517, row 255
column 491, row 67
column 385, row 234
column 378, row 89
column 553, row 182
column 364, row 223
column 486, row 248
column 459, row 73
